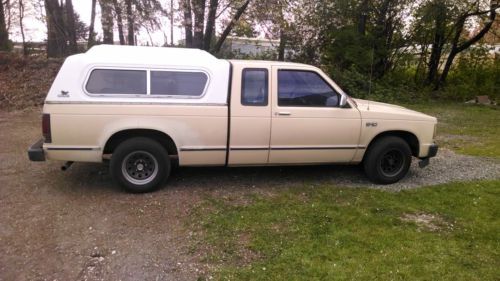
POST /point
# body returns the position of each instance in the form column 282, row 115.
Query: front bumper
column 433, row 150
column 424, row 161
column 35, row 152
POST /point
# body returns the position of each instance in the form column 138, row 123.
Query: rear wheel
column 140, row 165
column 387, row 160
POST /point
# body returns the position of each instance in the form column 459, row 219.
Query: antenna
column 371, row 77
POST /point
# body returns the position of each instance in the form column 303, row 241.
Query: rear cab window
column 254, row 87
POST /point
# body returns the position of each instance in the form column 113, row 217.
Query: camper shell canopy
column 70, row 83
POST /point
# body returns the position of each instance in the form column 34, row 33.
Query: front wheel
column 140, row 165
column 387, row 160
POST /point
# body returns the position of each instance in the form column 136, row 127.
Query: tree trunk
column 56, row 36
column 363, row 17
column 456, row 49
column 70, row 27
column 230, row 26
column 171, row 22
column 188, row 22
column 130, row 23
column 438, row 42
column 199, row 20
column 21, row 26
column 209, row 29
column 282, row 45
column 91, row 40
column 106, row 21
column 383, row 32
column 9, row 14
column 119, row 21
column 4, row 35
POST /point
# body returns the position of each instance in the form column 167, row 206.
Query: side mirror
column 343, row 101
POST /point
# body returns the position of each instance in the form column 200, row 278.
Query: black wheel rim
column 140, row 167
column 392, row 162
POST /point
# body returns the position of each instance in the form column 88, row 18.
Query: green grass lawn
column 330, row 233
column 443, row 232
column 467, row 129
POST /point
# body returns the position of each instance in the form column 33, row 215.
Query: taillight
column 47, row 135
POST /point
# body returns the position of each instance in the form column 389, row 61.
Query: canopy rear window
column 117, row 81
column 178, row 83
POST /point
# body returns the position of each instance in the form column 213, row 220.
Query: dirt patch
column 429, row 222
column 245, row 253
column 24, row 82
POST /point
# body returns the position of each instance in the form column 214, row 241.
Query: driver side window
column 305, row 89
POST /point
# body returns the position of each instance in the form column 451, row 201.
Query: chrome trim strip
column 134, row 103
column 273, row 148
column 249, row 148
column 317, row 147
column 203, row 149
column 74, row 148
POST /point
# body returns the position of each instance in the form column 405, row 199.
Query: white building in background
column 250, row 46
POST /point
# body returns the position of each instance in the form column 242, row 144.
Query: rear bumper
column 35, row 152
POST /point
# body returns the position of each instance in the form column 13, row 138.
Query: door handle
column 282, row 113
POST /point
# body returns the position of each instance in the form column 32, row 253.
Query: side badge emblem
column 64, row 94
column 371, row 124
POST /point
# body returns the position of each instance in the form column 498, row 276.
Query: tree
column 145, row 14
column 21, row 27
column 356, row 35
column 444, row 26
column 437, row 13
column 188, row 22
column 171, row 22
column 199, row 20
column 130, row 23
column 107, row 21
column 91, row 38
column 71, row 27
column 200, row 34
column 274, row 18
column 56, row 31
column 119, row 21
column 230, row 26
column 244, row 28
column 210, row 27
column 457, row 46
column 4, row 35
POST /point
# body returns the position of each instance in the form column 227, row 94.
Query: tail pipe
column 66, row 165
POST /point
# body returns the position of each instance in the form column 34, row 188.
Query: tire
column 140, row 165
column 387, row 160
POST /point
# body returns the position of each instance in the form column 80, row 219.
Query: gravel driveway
column 77, row 225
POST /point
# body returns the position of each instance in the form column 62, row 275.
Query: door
column 250, row 112
column 308, row 126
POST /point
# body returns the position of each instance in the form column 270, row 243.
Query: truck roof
column 267, row 63
column 149, row 55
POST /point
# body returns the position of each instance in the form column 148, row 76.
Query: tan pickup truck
column 144, row 109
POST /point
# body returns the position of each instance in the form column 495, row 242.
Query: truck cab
column 287, row 113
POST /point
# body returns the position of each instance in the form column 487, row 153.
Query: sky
column 36, row 30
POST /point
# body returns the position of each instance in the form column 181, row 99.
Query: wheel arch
column 410, row 138
column 118, row 137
